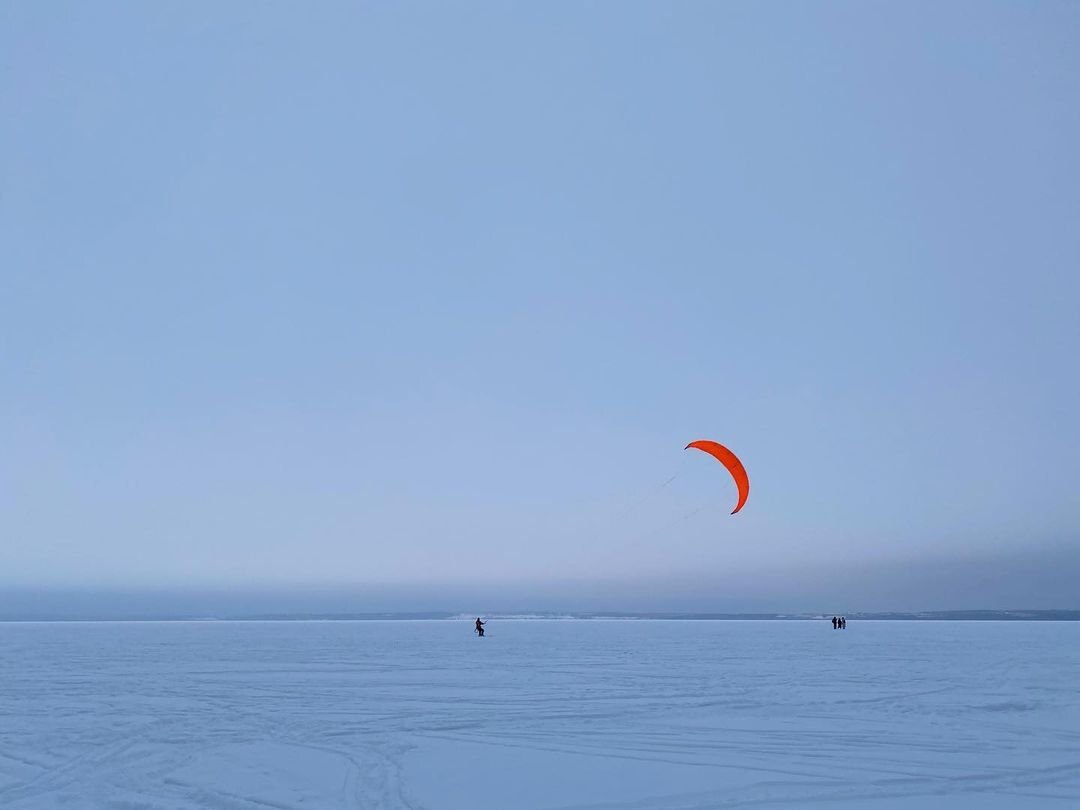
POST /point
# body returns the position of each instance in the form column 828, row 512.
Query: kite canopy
column 729, row 460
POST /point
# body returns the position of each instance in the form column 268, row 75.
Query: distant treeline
column 932, row 615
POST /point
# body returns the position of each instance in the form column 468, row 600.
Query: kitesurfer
column 480, row 627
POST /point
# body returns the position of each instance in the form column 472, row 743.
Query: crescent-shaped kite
column 729, row 460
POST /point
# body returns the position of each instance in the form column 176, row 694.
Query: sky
column 427, row 298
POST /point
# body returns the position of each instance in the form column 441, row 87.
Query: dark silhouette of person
column 843, row 623
column 835, row 622
column 480, row 627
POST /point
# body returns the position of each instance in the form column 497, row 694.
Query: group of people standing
column 839, row 623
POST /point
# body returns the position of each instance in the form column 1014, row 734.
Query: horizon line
column 1019, row 614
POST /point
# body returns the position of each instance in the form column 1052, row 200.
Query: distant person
column 480, row 627
column 835, row 622
column 843, row 623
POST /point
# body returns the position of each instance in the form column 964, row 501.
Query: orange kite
column 729, row 460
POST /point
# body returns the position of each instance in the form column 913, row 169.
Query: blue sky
column 431, row 293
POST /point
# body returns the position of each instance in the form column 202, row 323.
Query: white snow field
column 686, row 715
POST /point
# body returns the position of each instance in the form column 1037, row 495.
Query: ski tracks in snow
column 540, row 716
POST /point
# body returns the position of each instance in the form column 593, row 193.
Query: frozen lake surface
column 540, row 715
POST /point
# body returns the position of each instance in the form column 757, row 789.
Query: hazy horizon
column 1001, row 583
column 428, row 299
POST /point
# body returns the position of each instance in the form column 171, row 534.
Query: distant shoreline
column 947, row 615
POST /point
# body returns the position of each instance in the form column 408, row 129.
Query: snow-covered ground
column 540, row 714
